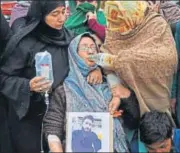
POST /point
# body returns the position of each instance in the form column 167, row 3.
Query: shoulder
column 26, row 44
column 29, row 39
column 5, row 31
column 76, row 132
column 17, row 48
column 94, row 134
column 155, row 25
column 18, row 24
column 155, row 20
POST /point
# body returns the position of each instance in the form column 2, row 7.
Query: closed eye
column 55, row 13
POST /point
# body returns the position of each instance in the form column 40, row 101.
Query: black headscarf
column 35, row 23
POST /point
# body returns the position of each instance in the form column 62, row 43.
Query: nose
column 61, row 17
column 90, row 51
column 88, row 126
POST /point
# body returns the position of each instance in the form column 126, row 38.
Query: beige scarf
column 146, row 61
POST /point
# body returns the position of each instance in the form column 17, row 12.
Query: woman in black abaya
column 43, row 31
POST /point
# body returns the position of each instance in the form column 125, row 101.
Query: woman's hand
column 54, row 144
column 90, row 15
column 39, row 84
column 120, row 91
column 55, row 147
column 113, row 107
column 95, row 77
column 103, row 59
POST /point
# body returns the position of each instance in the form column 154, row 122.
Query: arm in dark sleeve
column 54, row 120
column 97, row 28
column 5, row 32
column 96, row 143
column 18, row 24
column 12, row 85
column 131, row 111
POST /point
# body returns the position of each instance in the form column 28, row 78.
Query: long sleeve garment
column 54, row 121
column 97, row 28
column 25, row 108
column 5, row 33
column 15, row 75
column 5, row 140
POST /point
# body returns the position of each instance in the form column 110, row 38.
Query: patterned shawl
column 146, row 61
column 82, row 97
column 124, row 16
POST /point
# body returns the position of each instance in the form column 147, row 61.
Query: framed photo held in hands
column 89, row 132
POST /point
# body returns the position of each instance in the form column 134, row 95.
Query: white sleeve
column 113, row 80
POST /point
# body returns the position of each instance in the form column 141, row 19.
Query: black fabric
column 52, row 36
column 5, row 140
column 27, row 132
column 5, row 33
column 18, row 24
column 131, row 111
column 5, row 137
column 51, row 6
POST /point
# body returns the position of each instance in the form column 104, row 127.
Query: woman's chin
column 91, row 64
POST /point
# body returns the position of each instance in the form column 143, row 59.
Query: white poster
column 89, row 132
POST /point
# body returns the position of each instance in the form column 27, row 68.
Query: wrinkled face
column 164, row 146
column 56, row 18
column 87, row 125
column 87, row 47
column 93, row 2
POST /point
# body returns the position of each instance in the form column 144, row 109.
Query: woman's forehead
column 59, row 8
column 86, row 40
column 158, row 145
